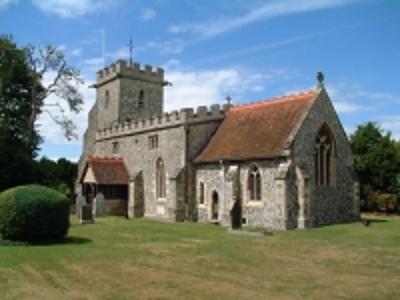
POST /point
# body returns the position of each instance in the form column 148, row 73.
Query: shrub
column 33, row 213
column 398, row 189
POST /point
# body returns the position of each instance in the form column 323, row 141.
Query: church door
column 236, row 215
column 214, row 206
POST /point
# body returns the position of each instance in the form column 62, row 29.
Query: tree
column 22, row 100
column 18, row 142
column 64, row 85
column 59, row 174
column 377, row 159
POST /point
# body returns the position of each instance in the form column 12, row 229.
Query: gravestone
column 86, row 214
column 100, row 209
column 80, row 201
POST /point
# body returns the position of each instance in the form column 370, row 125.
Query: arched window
column 254, row 184
column 324, row 157
column 160, row 178
column 201, row 193
column 106, row 99
column 141, row 98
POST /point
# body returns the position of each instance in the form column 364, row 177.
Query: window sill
column 161, row 199
column 254, row 204
column 202, row 206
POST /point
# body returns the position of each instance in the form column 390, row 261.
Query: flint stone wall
column 256, row 213
column 328, row 204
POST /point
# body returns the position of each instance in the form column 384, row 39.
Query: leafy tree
column 18, row 142
column 67, row 171
column 59, row 175
column 377, row 159
column 45, row 60
column 22, row 100
column 398, row 189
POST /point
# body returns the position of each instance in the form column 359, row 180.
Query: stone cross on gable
column 228, row 100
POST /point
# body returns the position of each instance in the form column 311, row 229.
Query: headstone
column 80, row 201
column 86, row 214
column 100, row 208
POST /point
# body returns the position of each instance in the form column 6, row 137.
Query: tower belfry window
column 141, row 98
column 106, row 99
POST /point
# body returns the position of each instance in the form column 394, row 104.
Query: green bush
column 33, row 213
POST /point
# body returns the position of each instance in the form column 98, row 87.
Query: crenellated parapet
column 166, row 120
column 122, row 68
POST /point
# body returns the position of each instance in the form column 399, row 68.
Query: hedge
column 33, row 213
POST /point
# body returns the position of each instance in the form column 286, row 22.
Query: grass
column 143, row 259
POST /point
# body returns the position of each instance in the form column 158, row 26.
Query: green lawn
column 143, row 259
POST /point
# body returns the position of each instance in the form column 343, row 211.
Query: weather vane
column 130, row 45
column 320, row 78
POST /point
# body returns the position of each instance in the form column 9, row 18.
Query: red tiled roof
column 257, row 130
column 107, row 170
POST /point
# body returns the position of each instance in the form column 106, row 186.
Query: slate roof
column 107, row 170
column 258, row 130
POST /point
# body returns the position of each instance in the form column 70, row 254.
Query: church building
column 280, row 163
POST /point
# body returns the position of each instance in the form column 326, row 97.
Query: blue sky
column 250, row 50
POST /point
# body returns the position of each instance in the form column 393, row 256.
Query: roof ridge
column 274, row 100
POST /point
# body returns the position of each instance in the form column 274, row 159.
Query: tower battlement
column 174, row 118
column 122, row 68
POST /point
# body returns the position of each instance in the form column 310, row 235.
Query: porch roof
column 106, row 171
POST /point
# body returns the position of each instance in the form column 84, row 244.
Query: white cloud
column 76, row 52
column 174, row 46
column 192, row 88
column 351, row 98
column 346, row 107
column 269, row 10
column 147, row 14
column 391, row 123
column 121, row 53
column 7, row 3
column 70, row 158
column 92, row 65
column 72, row 8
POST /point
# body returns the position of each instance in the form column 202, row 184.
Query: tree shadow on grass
column 69, row 240
column 373, row 220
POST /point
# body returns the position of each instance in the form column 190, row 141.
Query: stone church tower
column 124, row 92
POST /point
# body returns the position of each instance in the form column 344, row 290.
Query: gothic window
column 201, row 193
column 153, row 141
column 324, row 159
column 254, row 184
column 141, row 98
column 106, row 99
column 160, row 179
